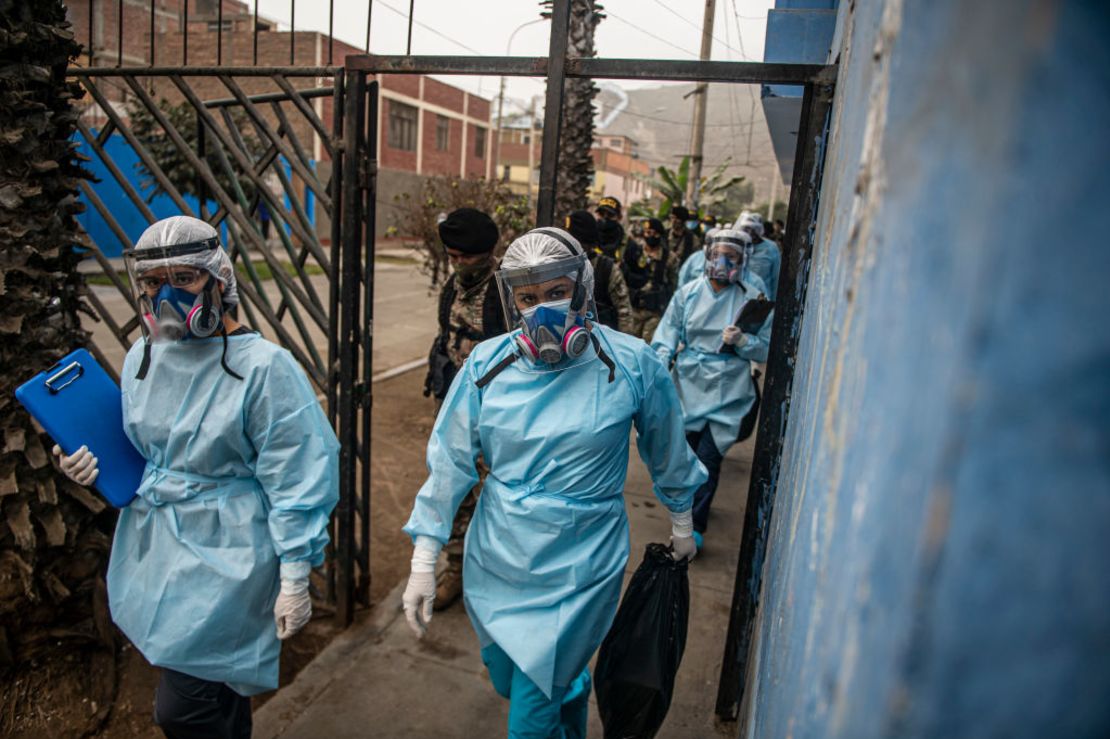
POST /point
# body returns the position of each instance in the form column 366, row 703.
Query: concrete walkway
column 377, row 680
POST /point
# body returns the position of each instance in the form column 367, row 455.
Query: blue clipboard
column 78, row 404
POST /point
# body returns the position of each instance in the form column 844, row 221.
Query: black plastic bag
column 641, row 653
column 747, row 423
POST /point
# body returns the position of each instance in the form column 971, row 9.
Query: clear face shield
column 174, row 297
column 726, row 256
column 550, row 303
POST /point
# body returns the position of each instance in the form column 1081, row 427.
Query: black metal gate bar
column 755, row 73
column 260, row 121
column 226, row 140
column 553, row 114
column 202, row 71
column 349, row 330
column 369, row 182
column 337, row 117
column 773, row 418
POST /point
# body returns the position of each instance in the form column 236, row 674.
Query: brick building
column 518, row 156
column 618, row 171
column 425, row 127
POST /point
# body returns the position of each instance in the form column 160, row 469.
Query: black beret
column 609, row 233
column 469, row 231
column 655, row 224
column 582, row 226
column 680, row 212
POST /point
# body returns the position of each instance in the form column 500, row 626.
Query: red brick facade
column 236, row 44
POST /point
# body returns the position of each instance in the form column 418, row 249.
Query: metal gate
column 238, row 147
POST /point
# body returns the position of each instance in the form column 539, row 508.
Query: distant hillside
column 658, row 119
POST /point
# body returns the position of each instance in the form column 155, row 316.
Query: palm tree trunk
column 54, row 535
column 576, row 164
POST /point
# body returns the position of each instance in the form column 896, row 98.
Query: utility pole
column 500, row 123
column 531, row 150
column 701, row 95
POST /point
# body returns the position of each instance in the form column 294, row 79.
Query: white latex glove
column 81, row 466
column 420, row 592
column 293, row 608
column 733, row 336
column 682, row 536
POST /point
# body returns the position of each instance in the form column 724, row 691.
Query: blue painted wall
column 939, row 557
column 125, row 212
column 115, row 199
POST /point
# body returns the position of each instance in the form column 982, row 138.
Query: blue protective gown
column 547, row 546
column 715, row 388
column 765, row 262
column 240, row 475
column 694, row 267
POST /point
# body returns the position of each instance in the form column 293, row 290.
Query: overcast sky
column 655, row 29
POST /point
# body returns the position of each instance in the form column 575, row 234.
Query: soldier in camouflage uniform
column 651, row 272
column 614, row 308
column 469, row 312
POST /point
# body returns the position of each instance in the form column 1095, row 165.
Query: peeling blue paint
column 939, row 555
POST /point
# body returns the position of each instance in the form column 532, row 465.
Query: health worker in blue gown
column 694, row 267
column 764, row 256
column 210, row 563
column 549, row 406
column 712, row 357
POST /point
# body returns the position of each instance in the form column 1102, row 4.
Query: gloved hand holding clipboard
column 750, row 317
column 78, row 404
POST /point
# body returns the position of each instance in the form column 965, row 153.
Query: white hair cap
column 753, row 221
column 183, row 230
column 549, row 245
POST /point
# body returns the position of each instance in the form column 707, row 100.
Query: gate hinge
column 367, row 172
column 360, row 394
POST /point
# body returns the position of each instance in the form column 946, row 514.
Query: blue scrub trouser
column 532, row 715
column 706, row 450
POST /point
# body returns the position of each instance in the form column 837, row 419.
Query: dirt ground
column 71, row 695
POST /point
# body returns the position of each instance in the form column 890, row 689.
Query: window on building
column 614, row 142
column 443, row 132
column 225, row 27
column 527, row 139
column 402, row 126
column 505, row 172
column 479, row 141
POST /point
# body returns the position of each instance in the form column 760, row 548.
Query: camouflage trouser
column 644, row 323
column 454, row 548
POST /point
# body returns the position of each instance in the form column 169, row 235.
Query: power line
column 685, row 20
column 676, row 123
column 611, row 14
column 426, row 27
column 739, row 35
